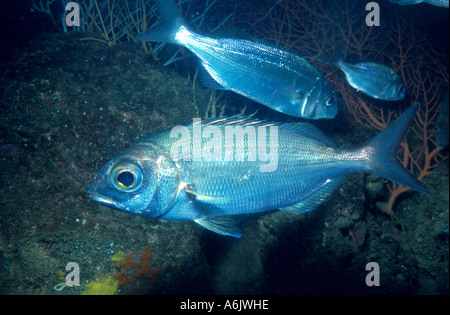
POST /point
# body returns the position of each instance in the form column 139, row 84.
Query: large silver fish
column 373, row 79
column 268, row 75
column 207, row 177
column 439, row 3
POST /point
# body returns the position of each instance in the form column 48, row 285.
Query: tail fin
column 172, row 21
column 383, row 161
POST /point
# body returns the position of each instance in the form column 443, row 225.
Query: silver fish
column 439, row 3
column 373, row 79
column 268, row 75
column 200, row 178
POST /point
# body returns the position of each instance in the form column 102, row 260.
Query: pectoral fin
column 225, row 225
column 193, row 196
column 299, row 95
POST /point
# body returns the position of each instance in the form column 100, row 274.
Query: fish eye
column 330, row 101
column 126, row 177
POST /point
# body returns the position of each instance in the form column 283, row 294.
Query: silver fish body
column 218, row 183
column 439, row 3
column 374, row 79
column 270, row 76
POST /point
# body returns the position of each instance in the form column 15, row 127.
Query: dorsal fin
column 302, row 128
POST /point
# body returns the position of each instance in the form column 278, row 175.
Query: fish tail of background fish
column 172, row 21
column 382, row 151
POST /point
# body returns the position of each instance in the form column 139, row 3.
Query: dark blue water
column 69, row 103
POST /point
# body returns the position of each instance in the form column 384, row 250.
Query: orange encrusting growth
column 142, row 268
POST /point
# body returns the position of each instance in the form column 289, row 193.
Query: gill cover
column 167, row 185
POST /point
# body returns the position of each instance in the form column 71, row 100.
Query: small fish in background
column 146, row 179
column 439, row 3
column 442, row 124
column 270, row 76
column 373, row 79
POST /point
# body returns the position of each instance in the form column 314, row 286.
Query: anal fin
column 313, row 201
column 207, row 79
column 224, row 225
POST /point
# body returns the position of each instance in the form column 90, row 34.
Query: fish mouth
column 101, row 199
